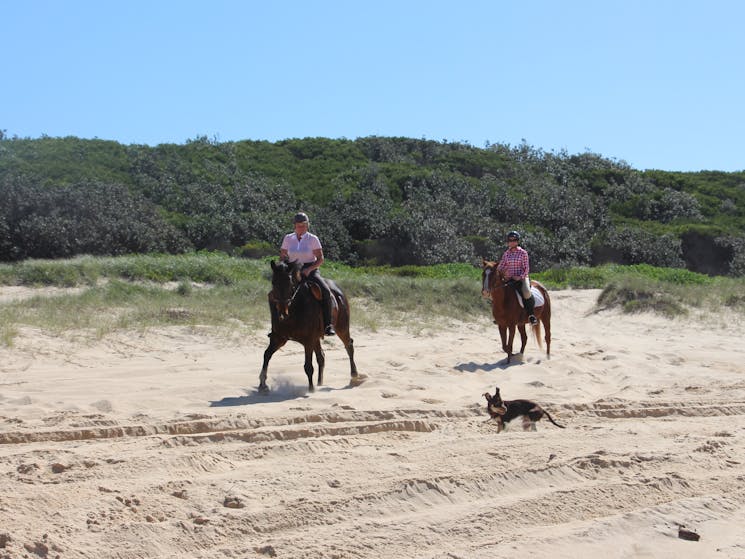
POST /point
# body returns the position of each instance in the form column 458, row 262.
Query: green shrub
column 634, row 296
column 677, row 276
column 258, row 249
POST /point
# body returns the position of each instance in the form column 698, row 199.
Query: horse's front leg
column 273, row 313
column 321, row 359
column 510, row 342
column 503, row 334
column 309, row 366
column 523, row 337
column 275, row 342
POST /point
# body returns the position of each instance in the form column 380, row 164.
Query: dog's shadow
column 503, row 364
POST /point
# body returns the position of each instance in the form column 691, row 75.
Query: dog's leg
column 500, row 425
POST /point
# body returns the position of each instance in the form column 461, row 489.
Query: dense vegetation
column 373, row 201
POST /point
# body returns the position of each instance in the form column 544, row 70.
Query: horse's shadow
column 473, row 367
column 282, row 392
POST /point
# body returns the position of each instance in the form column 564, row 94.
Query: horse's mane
column 285, row 265
column 291, row 268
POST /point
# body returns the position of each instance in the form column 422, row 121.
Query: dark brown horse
column 296, row 312
column 507, row 312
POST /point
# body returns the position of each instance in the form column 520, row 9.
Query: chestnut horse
column 507, row 312
column 295, row 307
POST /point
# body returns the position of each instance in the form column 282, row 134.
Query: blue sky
column 659, row 84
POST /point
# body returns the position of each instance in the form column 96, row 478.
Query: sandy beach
column 156, row 444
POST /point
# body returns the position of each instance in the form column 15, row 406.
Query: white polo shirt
column 301, row 250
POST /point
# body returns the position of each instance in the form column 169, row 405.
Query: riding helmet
column 513, row 235
column 300, row 217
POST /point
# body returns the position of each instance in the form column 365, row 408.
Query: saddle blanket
column 537, row 295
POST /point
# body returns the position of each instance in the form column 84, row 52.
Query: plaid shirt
column 515, row 263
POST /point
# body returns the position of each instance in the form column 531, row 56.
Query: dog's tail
column 551, row 419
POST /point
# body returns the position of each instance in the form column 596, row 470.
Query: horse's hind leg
column 321, row 359
column 349, row 346
column 546, row 320
column 350, row 352
column 275, row 342
column 342, row 331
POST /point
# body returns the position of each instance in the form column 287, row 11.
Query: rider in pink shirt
column 304, row 247
column 515, row 265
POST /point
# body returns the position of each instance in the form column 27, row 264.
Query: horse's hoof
column 263, row 389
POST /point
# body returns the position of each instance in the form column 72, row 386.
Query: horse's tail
column 536, row 329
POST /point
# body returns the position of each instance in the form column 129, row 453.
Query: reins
column 294, row 294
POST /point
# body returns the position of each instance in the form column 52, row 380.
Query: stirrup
column 533, row 319
column 329, row 330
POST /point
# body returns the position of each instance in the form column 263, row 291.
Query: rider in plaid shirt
column 515, row 265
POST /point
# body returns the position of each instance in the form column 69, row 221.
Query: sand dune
column 157, row 445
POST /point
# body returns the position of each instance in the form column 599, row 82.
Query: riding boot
column 530, row 309
column 328, row 328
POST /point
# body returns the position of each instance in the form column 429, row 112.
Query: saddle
column 537, row 297
column 315, row 290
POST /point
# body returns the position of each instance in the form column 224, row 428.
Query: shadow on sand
column 280, row 392
column 473, row 367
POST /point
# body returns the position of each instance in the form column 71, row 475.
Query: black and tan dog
column 505, row 411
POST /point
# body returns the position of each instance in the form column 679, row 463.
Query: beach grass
column 217, row 290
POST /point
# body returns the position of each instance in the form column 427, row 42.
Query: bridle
column 487, row 285
column 283, row 305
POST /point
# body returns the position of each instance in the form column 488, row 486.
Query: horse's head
column 489, row 275
column 491, row 278
column 285, row 279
